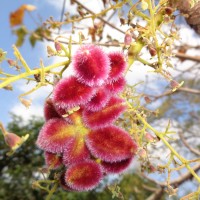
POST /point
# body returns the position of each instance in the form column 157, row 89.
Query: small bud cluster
column 79, row 132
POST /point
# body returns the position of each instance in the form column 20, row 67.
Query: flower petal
column 116, row 87
column 118, row 65
column 75, row 152
column 55, row 135
column 69, row 93
column 100, row 99
column 106, row 116
column 83, row 176
column 111, row 144
column 116, row 167
column 91, row 65
column 64, row 185
column 50, row 111
column 52, row 160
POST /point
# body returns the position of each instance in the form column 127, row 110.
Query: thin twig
column 187, row 57
column 193, row 150
column 101, row 18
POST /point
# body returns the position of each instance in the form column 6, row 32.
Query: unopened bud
column 168, row 10
column 58, row 46
column 152, row 169
column 144, row 5
column 174, row 84
column 14, row 141
column 149, row 138
column 152, row 51
column 127, row 39
column 27, row 103
column 50, row 51
column 8, row 87
column 147, row 99
column 142, row 153
column 122, row 21
column 12, row 62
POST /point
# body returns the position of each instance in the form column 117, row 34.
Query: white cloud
column 21, row 110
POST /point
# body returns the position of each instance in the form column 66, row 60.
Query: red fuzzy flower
column 111, row 144
column 52, row 160
column 91, row 65
column 118, row 65
column 69, row 93
column 106, row 116
column 83, row 176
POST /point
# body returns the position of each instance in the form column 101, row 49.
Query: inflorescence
column 79, row 132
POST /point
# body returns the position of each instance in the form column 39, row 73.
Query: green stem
column 153, row 31
column 32, row 72
column 52, row 191
column 3, row 129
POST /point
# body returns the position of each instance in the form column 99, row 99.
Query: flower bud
column 147, row 99
column 142, row 153
column 50, row 51
column 122, row 21
column 8, row 87
column 11, row 62
column 58, row 46
column 14, row 141
column 127, row 39
column 168, row 10
column 152, row 51
column 149, row 138
column 27, row 103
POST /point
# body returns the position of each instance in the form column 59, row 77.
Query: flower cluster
column 79, row 132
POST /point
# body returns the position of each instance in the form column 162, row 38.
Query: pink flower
column 91, row 65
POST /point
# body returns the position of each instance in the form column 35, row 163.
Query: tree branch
column 101, row 18
column 187, row 57
column 193, row 150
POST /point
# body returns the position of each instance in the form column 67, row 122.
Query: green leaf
column 38, row 35
column 20, row 33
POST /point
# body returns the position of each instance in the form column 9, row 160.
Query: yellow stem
column 160, row 135
column 19, row 56
column 153, row 31
column 3, row 129
column 32, row 72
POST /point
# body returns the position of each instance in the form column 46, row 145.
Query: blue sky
column 7, row 39
column 45, row 8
